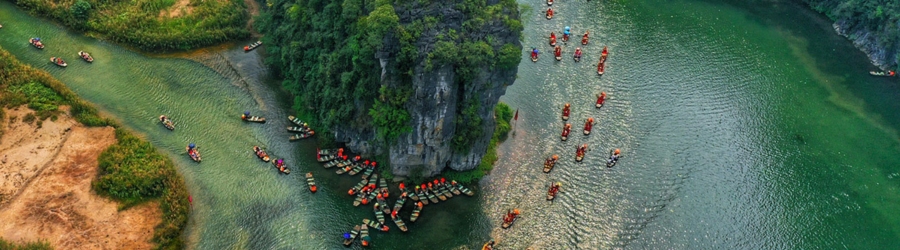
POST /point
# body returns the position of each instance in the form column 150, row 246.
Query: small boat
column 399, row 204
column 432, row 197
column 358, row 187
column 554, row 189
column 549, row 13
column 613, row 158
column 58, row 61
column 325, row 158
column 261, row 154
column 534, row 54
column 601, row 98
column 368, row 172
column 584, row 38
column 397, row 220
column 333, row 151
column 882, row 73
column 550, row 163
column 437, row 192
column 549, row 2
column 580, row 152
column 422, row 196
column 359, row 198
column 577, row 56
column 248, row 118
column 297, row 129
column 364, row 235
column 557, row 52
column 382, row 184
column 344, row 163
column 453, row 188
column 588, row 125
column 552, row 39
column 510, row 218
column 375, row 225
column 488, row 246
column 565, row 112
column 311, row 182
column 416, row 212
column 411, row 193
column 343, row 170
column 281, row 166
column 446, row 191
column 193, row 152
column 465, row 190
column 565, row 133
column 384, row 206
column 379, row 215
column 296, row 120
column 36, row 42
column 87, row 57
column 330, row 164
column 357, row 167
column 166, row 122
column 252, row 46
column 301, row 136
column 352, row 235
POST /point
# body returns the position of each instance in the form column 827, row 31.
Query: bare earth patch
column 178, row 9
column 45, row 188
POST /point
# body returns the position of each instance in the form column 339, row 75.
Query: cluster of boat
column 301, row 130
column 374, row 190
column 557, row 50
column 37, row 43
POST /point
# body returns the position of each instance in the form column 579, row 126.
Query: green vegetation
column 131, row 171
column 880, row 17
column 326, row 52
column 42, row 245
column 502, row 115
column 150, row 24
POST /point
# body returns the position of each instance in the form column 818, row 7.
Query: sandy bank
column 45, row 188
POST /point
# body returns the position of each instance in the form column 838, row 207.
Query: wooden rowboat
column 379, row 215
column 253, row 119
column 432, row 197
column 356, row 169
column 300, row 136
column 278, row 167
column 416, row 212
column 454, row 189
column 399, row 204
column 359, row 198
column 374, row 225
column 311, row 182
column 397, row 220
column 548, row 165
column 324, row 152
column 330, row 164
column 437, row 192
column 297, row 129
column 325, row 158
column 343, row 170
column 194, row 154
column 465, row 190
column 358, row 187
column 422, row 196
column 445, row 190
column 261, row 154
column 364, row 235
column 510, row 223
column 252, row 46
column 36, row 42
column 58, row 61
column 353, row 234
column 368, row 172
column 87, row 57
column 296, row 120
column 166, row 122
column 551, row 194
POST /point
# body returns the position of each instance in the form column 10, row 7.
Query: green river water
column 743, row 125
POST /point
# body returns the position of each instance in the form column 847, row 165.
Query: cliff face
column 873, row 26
column 438, row 92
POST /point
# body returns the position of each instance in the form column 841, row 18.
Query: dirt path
column 253, row 8
column 45, row 188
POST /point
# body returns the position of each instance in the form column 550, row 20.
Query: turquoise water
column 742, row 125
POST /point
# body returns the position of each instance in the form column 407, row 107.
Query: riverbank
column 58, row 155
column 148, row 24
column 870, row 25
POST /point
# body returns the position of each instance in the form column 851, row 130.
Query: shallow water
column 741, row 126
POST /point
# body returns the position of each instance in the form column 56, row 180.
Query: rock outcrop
column 438, row 93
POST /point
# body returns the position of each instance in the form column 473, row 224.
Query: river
column 742, row 125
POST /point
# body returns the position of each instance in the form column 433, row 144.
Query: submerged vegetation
column 132, row 171
column 880, row 17
column 503, row 115
column 150, row 24
column 332, row 56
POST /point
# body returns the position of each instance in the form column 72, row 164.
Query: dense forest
column 132, row 171
column 351, row 62
column 150, row 24
column 881, row 17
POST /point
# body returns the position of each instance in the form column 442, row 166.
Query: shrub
column 80, row 9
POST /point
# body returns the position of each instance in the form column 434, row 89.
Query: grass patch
column 502, row 114
column 39, row 245
column 132, row 171
column 150, row 24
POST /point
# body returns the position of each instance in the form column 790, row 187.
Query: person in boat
column 601, row 98
column 246, row 115
column 394, row 214
column 490, row 245
column 603, row 55
column 549, row 12
column 589, row 124
column 534, row 52
column 557, row 51
column 615, row 156
column 566, row 110
column 552, row 38
column 340, row 153
column 891, row 73
column 584, row 38
column 566, row 33
column 578, row 53
column 581, row 150
column 567, row 129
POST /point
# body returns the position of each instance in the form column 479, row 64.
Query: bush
column 39, row 245
column 80, row 9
